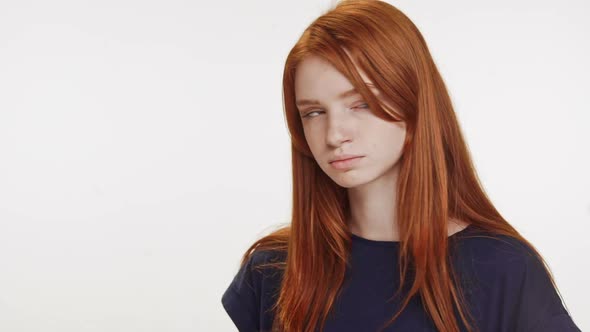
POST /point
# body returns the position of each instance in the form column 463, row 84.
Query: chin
column 350, row 179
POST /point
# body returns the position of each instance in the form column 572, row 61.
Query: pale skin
column 334, row 125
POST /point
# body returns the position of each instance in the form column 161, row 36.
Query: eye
column 307, row 115
column 363, row 105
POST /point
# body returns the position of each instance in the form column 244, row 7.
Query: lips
column 344, row 157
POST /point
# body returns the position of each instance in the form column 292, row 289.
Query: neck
column 373, row 208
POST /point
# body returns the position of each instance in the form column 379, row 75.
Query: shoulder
column 506, row 274
column 244, row 298
column 263, row 258
column 493, row 265
column 492, row 260
column 502, row 253
column 258, row 266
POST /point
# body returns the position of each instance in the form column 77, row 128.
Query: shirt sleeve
column 241, row 299
column 541, row 309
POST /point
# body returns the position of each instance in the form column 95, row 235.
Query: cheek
column 374, row 145
column 313, row 141
column 387, row 140
column 392, row 131
column 309, row 137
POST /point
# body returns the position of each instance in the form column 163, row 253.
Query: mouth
column 344, row 158
column 346, row 163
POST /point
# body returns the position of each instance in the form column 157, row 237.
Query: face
column 337, row 122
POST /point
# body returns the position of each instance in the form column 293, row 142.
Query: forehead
column 316, row 78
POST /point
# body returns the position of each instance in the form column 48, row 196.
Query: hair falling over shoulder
column 437, row 179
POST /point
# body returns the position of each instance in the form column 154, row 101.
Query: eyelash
column 365, row 106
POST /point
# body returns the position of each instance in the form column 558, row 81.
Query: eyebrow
column 348, row 93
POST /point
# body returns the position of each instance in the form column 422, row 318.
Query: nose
column 339, row 128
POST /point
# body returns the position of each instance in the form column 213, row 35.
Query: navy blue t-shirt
column 505, row 286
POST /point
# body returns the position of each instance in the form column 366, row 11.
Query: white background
column 143, row 146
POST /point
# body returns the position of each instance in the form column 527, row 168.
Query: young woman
column 391, row 229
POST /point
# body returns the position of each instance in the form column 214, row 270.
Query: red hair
column 437, row 179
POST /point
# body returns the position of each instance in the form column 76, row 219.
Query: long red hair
column 437, row 179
